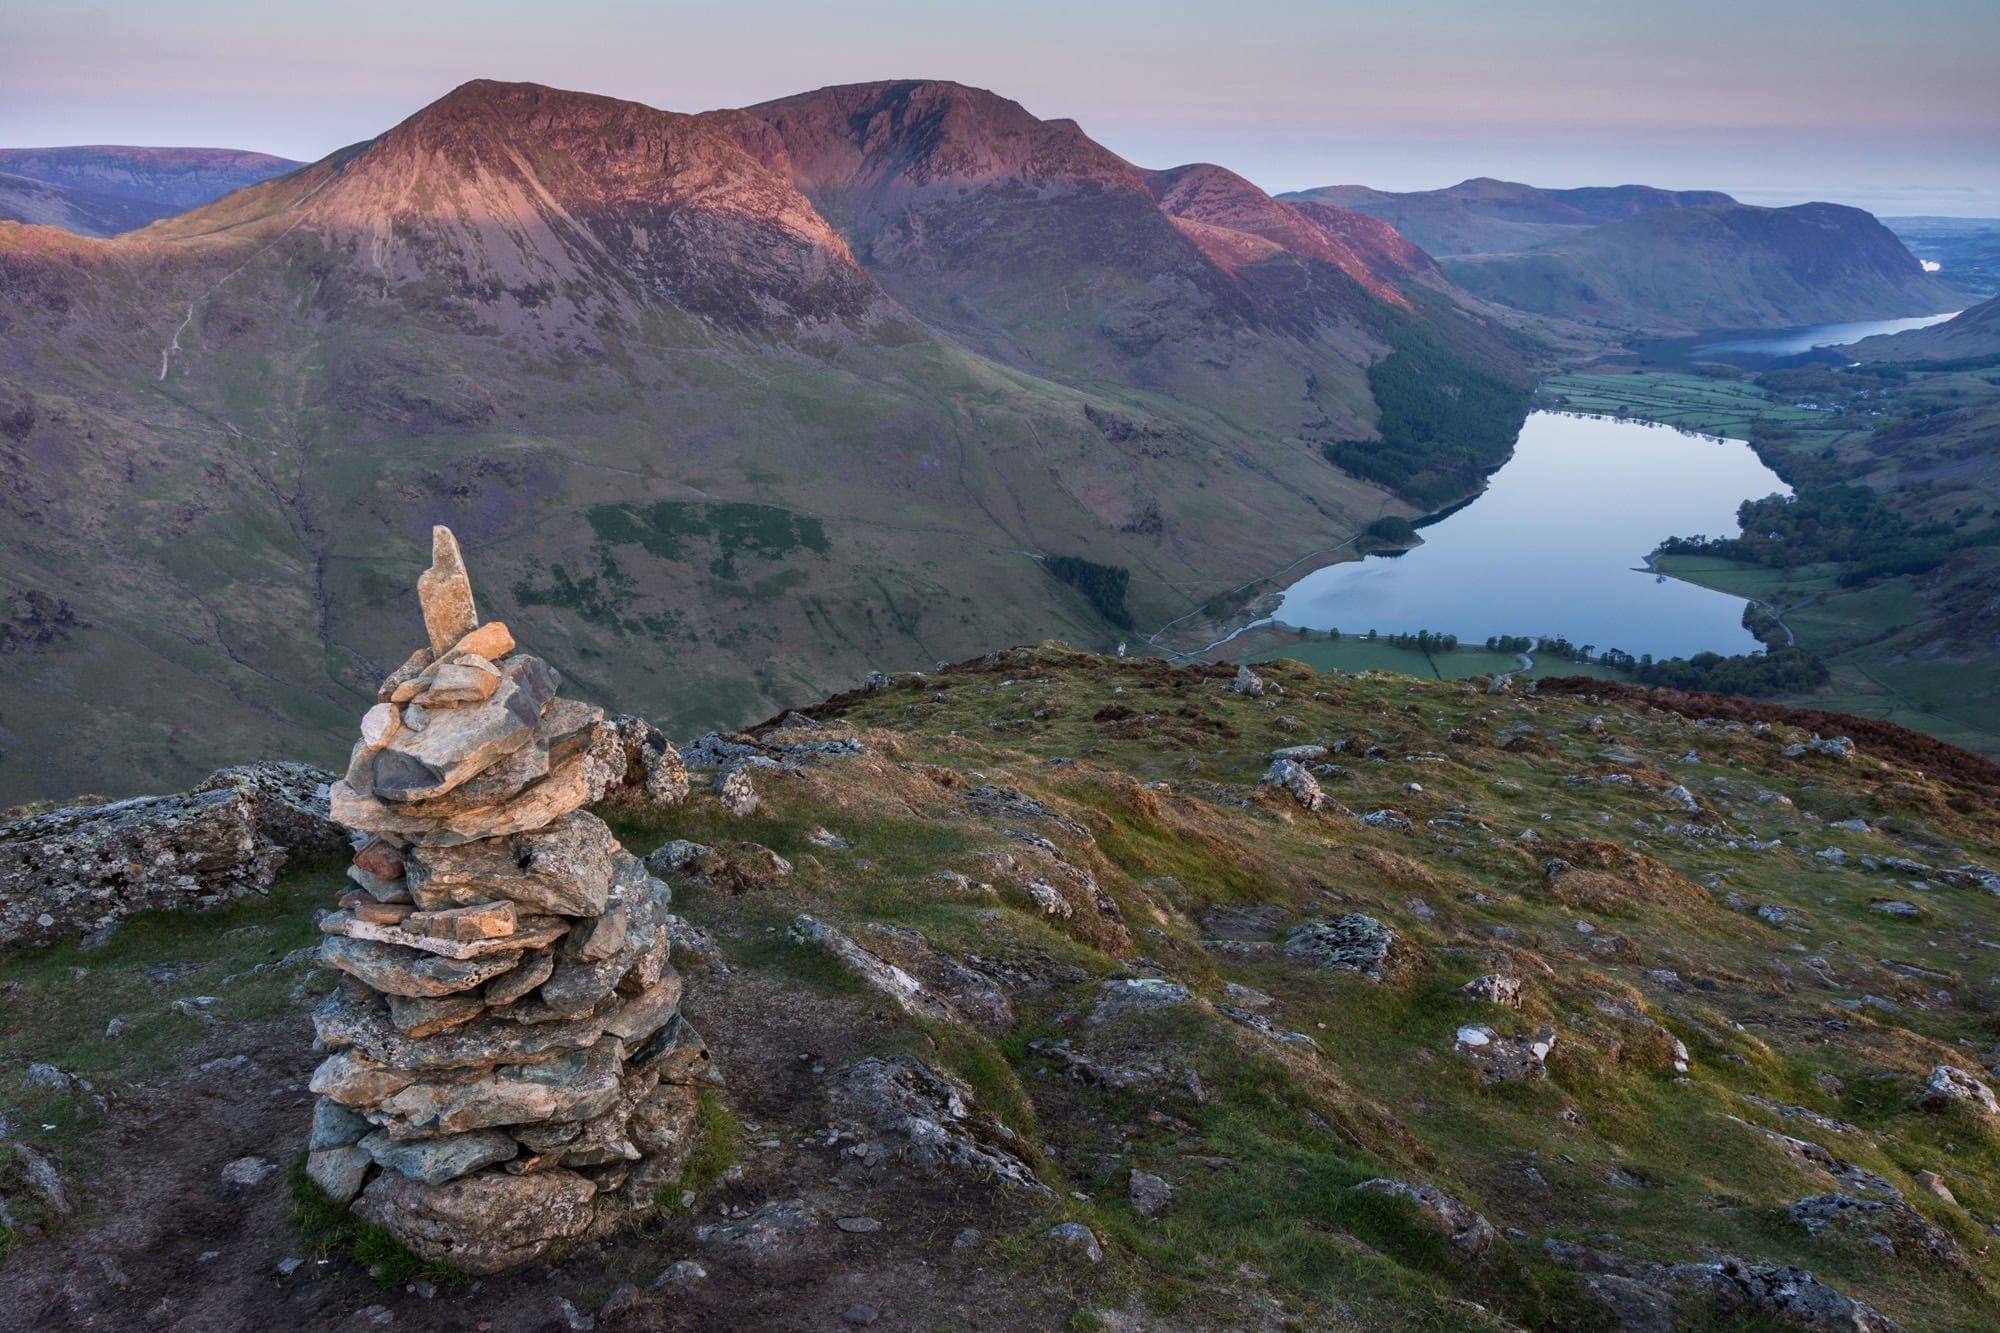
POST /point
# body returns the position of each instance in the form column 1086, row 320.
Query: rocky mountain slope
column 818, row 385
column 147, row 183
column 1049, row 987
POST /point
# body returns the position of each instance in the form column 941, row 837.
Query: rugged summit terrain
column 818, row 385
column 1049, row 987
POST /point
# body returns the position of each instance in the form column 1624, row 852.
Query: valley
column 1020, row 716
column 874, row 376
column 689, row 419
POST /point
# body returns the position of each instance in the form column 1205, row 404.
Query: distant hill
column 1725, row 266
column 1974, row 333
column 1485, row 216
column 104, row 189
column 1638, row 257
column 80, row 211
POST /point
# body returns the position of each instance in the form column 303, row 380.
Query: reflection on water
column 1555, row 546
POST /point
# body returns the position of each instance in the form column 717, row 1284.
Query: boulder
column 482, row 1223
column 1149, row 1193
column 1949, row 1086
column 739, row 797
column 1295, row 780
column 444, row 594
column 1505, row 1059
column 395, row 970
column 434, row 1161
column 1349, row 943
column 565, row 868
column 1494, row 988
column 339, row 1172
column 928, row 1119
column 647, row 772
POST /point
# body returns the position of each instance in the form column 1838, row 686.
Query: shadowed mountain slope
column 1483, row 215
column 1637, row 257
column 1729, row 266
column 116, row 188
column 80, row 211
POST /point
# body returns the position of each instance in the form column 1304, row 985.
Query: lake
column 1555, row 545
column 1791, row 342
column 1756, row 349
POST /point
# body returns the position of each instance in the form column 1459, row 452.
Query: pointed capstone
column 445, row 593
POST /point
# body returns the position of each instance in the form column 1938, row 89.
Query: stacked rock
column 507, row 1062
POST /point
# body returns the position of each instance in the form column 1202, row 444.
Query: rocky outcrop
column 1729, row 1291
column 1949, row 1086
column 1466, row 1230
column 1505, row 1059
column 1349, row 943
column 507, row 1059
column 903, row 1109
column 1295, row 780
column 85, row 867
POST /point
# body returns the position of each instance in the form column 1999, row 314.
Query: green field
column 1691, row 402
column 1863, row 634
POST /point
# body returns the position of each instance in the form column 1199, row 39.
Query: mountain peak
column 546, row 211
column 930, row 133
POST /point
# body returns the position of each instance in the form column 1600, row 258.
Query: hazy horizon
column 1776, row 103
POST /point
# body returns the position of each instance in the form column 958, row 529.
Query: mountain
column 820, row 384
column 1640, row 258
column 80, row 211
column 1727, row 266
column 1028, row 241
column 1043, row 997
column 1971, row 334
column 117, row 188
column 1484, row 215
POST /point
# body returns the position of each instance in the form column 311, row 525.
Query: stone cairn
column 506, row 1062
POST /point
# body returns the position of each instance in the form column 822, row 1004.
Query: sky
column 1891, row 107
